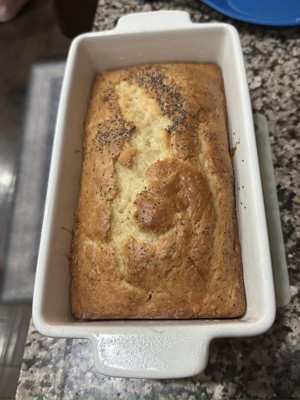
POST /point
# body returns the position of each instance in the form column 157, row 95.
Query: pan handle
column 151, row 353
column 149, row 21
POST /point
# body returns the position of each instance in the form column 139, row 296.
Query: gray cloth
column 43, row 97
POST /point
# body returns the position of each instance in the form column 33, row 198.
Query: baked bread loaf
column 156, row 230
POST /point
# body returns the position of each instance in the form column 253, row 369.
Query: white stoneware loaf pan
column 151, row 349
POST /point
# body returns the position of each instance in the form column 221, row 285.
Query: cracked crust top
column 156, row 231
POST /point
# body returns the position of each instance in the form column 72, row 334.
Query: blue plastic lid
column 263, row 12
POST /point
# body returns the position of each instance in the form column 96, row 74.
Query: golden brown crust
column 126, row 156
column 156, row 230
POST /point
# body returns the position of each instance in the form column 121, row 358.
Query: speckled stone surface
column 263, row 367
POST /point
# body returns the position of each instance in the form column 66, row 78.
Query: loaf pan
column 151, row 349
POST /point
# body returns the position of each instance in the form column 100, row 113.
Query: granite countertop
column 264, row 366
